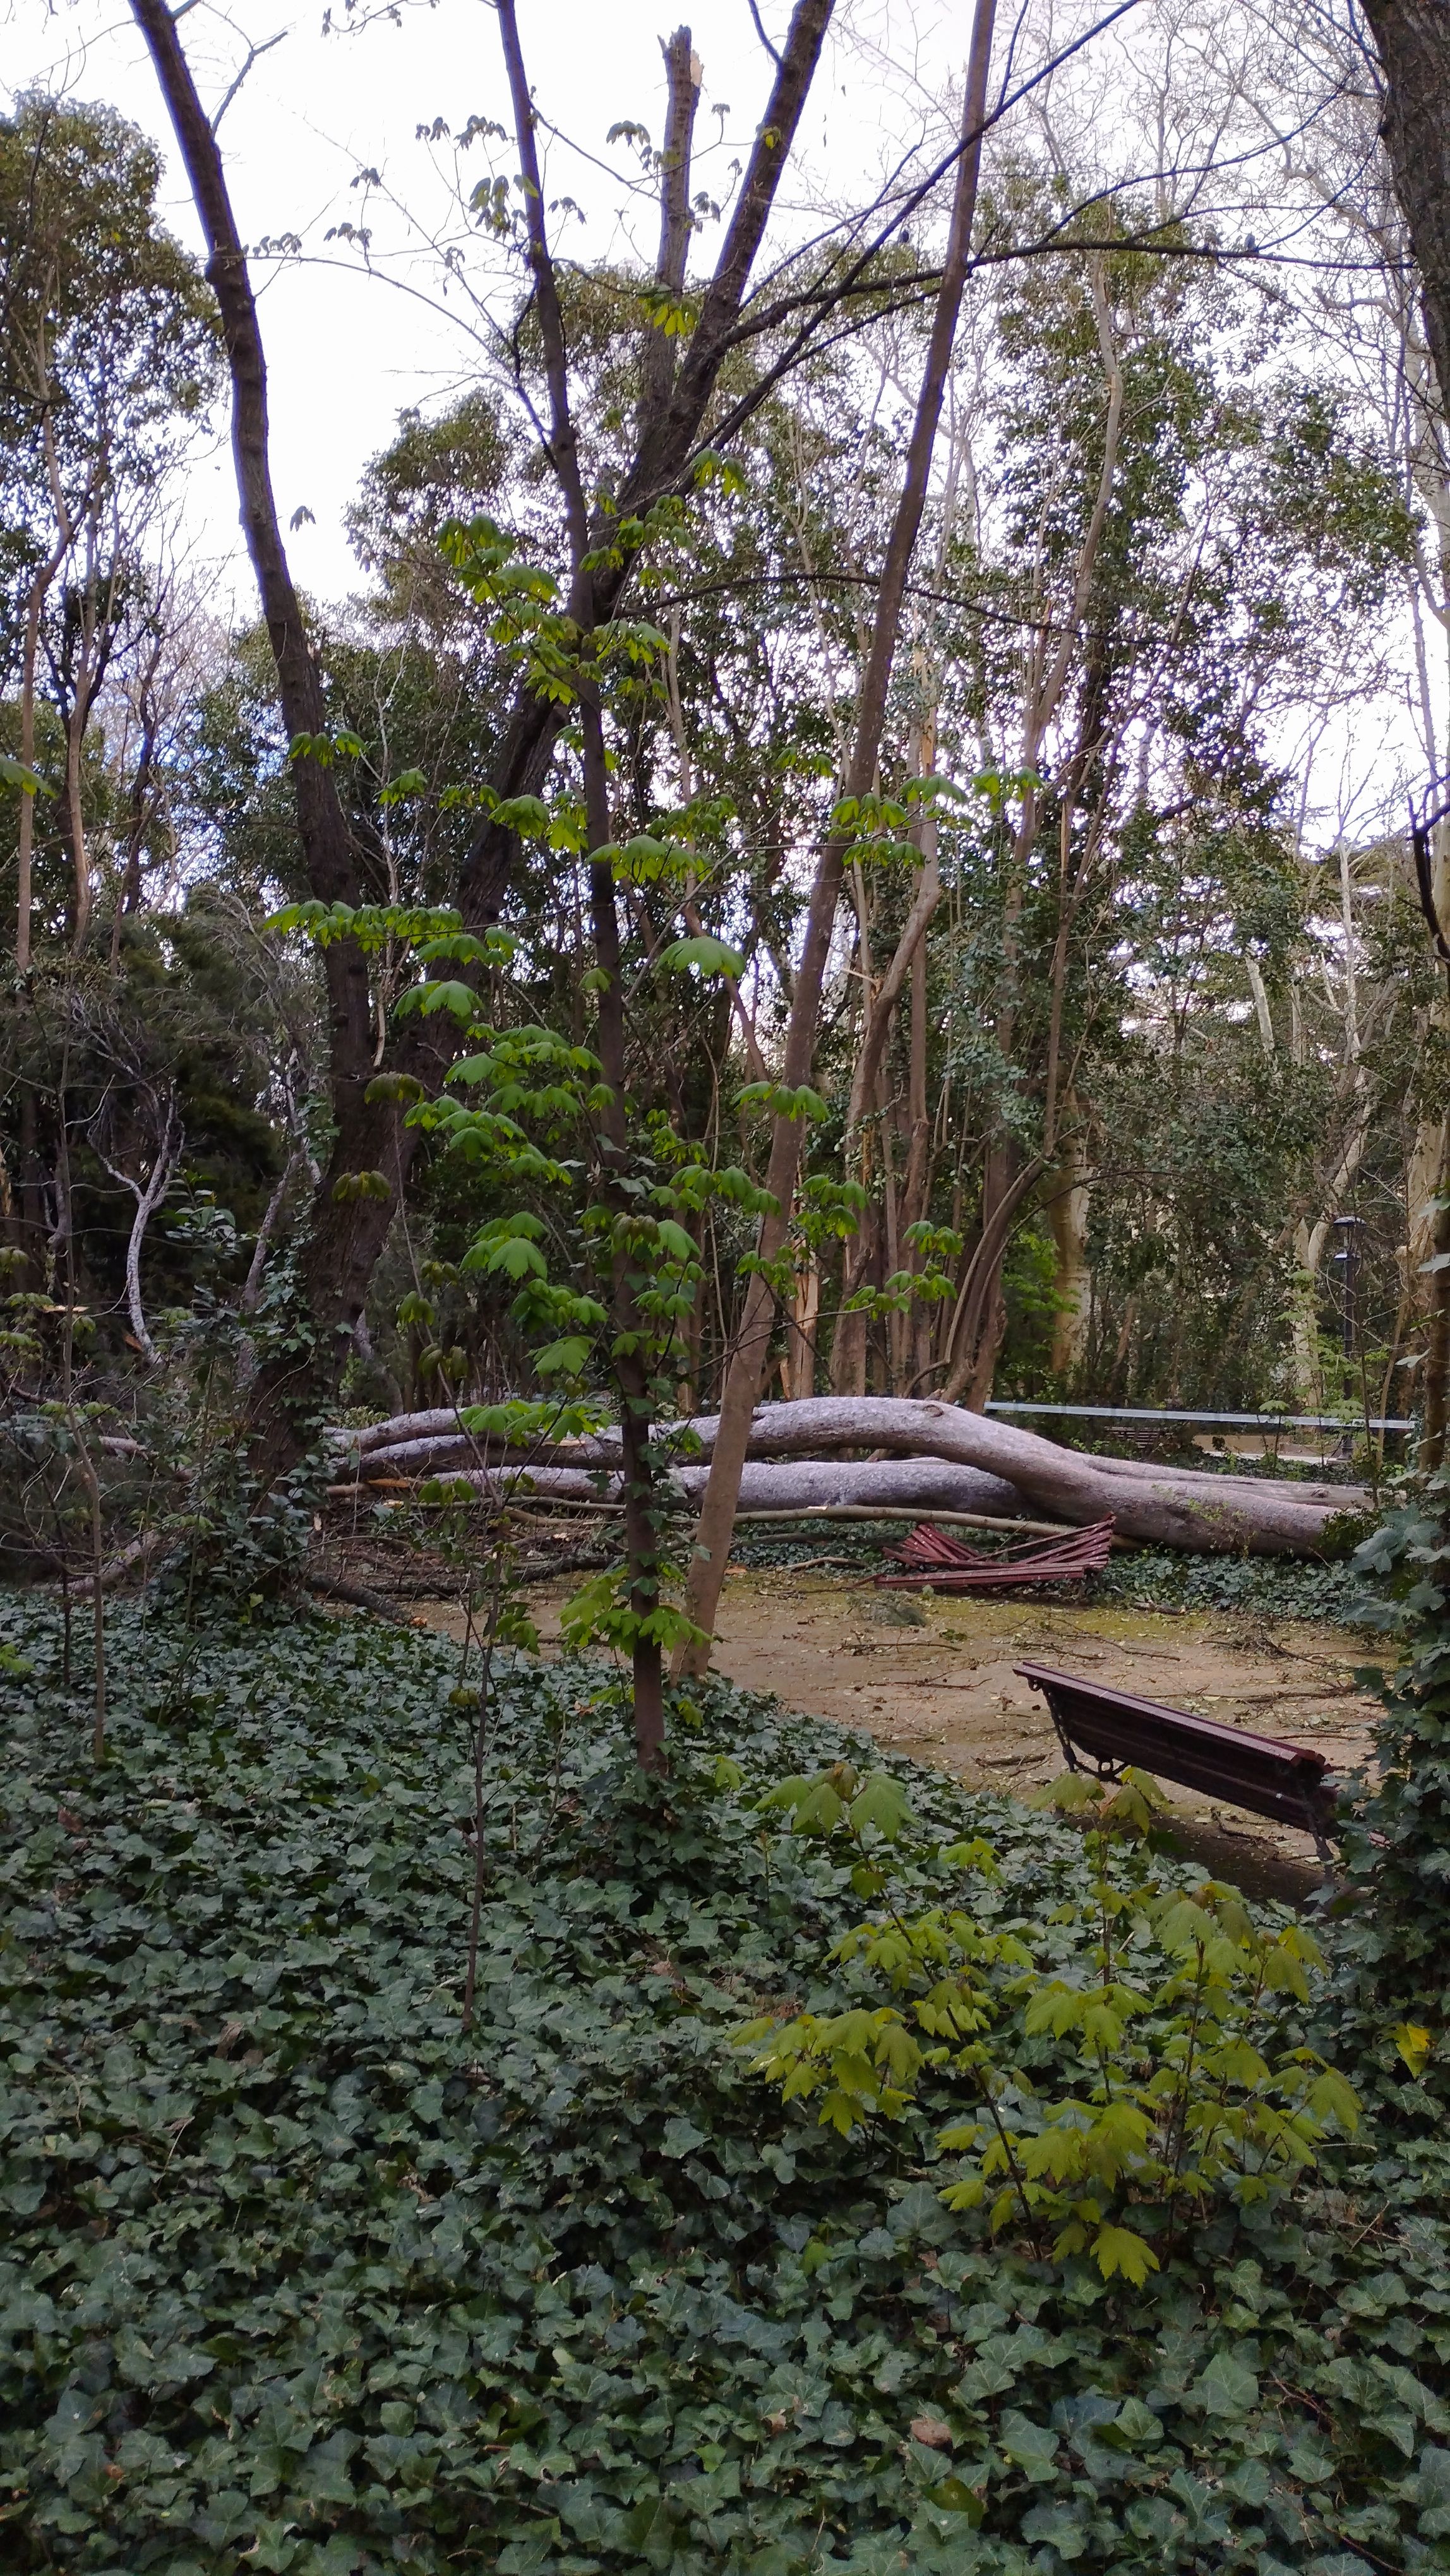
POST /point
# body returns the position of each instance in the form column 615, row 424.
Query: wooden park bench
column 1288, row 1782
column 930, row 1556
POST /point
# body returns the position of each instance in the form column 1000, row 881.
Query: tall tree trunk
column 342, row 1239
column 1068, row 1202
column 1412, row 39
column 916, row 1193
column 665, row 439
column 148, row 1195
column 1008, row 1177
column 1432, row 1277
column 879, row 1004
column 746, row 1372
column 34, row 609
column 139, row 813
column 1428, row 1262
column 683, row 73
column 628, row 1341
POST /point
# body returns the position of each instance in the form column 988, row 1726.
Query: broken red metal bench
column 929, row 1556
column 1290, row 1783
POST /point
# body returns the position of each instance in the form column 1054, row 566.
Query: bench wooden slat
column 1288, row 1782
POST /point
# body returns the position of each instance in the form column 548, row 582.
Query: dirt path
column 934, row 1679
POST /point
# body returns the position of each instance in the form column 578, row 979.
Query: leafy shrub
column 1166, row 2098
column 1396, row 1941
column 1280, row 1589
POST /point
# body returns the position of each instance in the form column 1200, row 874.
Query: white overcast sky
column 345, row 352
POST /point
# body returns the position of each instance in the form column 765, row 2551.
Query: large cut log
column 890, row 1484
column 1173, row 1506
column 1217, row 1480
column 1162, row 1506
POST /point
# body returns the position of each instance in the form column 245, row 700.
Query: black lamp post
column 1348, row 1229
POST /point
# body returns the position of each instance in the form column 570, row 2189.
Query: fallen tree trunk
column 438, row 1422
column 1166, row 1506
column 1213, row 1480
column 141, row 1554
column 1162, row 1506
column 432, row 1442
column 893, row 1484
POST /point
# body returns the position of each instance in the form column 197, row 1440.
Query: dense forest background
column 1132, row 1040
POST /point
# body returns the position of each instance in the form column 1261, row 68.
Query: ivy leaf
column 1135, row 2427
column 1227, row 2386
column 1062, row 2528
column 1031, row 2447
column 681, row 2137
column 954, row 2496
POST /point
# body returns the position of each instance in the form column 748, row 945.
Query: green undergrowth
column 841, row 1543
column 1141, row 1578
column 298, row 2275
column 1274, row 1586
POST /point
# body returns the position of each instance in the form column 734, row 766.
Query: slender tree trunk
column 848, row 1351
column 34, row 611
column 1435, row 1368
column 128, row 899
column 34, row 608
column 916, row 1197
column 75, row 819
column 665, row 440
column 630, row 1365
column 1068, row 1203
column 746, row 1373
column 148, row 1196
column 344, row 1237
column 684, row 73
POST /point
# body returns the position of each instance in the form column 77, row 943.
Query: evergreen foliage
column 299, row 2277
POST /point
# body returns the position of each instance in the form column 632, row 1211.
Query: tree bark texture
column 805, row 1485
column 1412, row 40
column 1428, row 1247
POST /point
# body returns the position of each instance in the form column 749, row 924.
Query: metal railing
column 1234, row 1421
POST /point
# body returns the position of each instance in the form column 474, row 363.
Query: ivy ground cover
column 295, row 2274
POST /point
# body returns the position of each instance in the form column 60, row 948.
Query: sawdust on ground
column 932, row 1678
